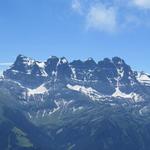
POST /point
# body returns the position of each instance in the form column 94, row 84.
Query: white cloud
column 76, row 6
column 102, row 18
column 131, row 22
column 142, row 3
column 5, row 64
column 114, row 15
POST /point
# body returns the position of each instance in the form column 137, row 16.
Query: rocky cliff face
column 107, row 76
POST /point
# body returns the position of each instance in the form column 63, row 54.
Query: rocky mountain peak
column 118, row 61
column 51, row 65
column 23, row 64
column 108, row 71
column 90, row 63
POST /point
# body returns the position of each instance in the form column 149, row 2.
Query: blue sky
column 76, row 29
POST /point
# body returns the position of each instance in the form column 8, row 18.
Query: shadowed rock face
column 103, row 71
column 107, row 79
column 104, row 76
column 51, row 65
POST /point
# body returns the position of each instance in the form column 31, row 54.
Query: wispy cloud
column 76, row 6
column 113, row 15
column 142, row 3
column 102, row 18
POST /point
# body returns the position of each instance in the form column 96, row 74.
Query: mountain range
column 78, row 105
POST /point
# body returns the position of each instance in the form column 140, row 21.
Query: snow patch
column 29, row 115
column 28, row 61
column 59, row 131
column 136, row 97
column 144, row 110
column 61, row 103
column 53, row 111
column 118, row 93
column 41, row 64
column 143, row 78
column 39, row 90
column 74, row 76
column 77, row 109
column 120, row 72
column 62, row 61
column 44, row 112
column 88, row 91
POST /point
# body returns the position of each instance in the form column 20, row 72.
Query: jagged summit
column 107, row 76
column 24, row 59
column 117, row 60
column 106, row 70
